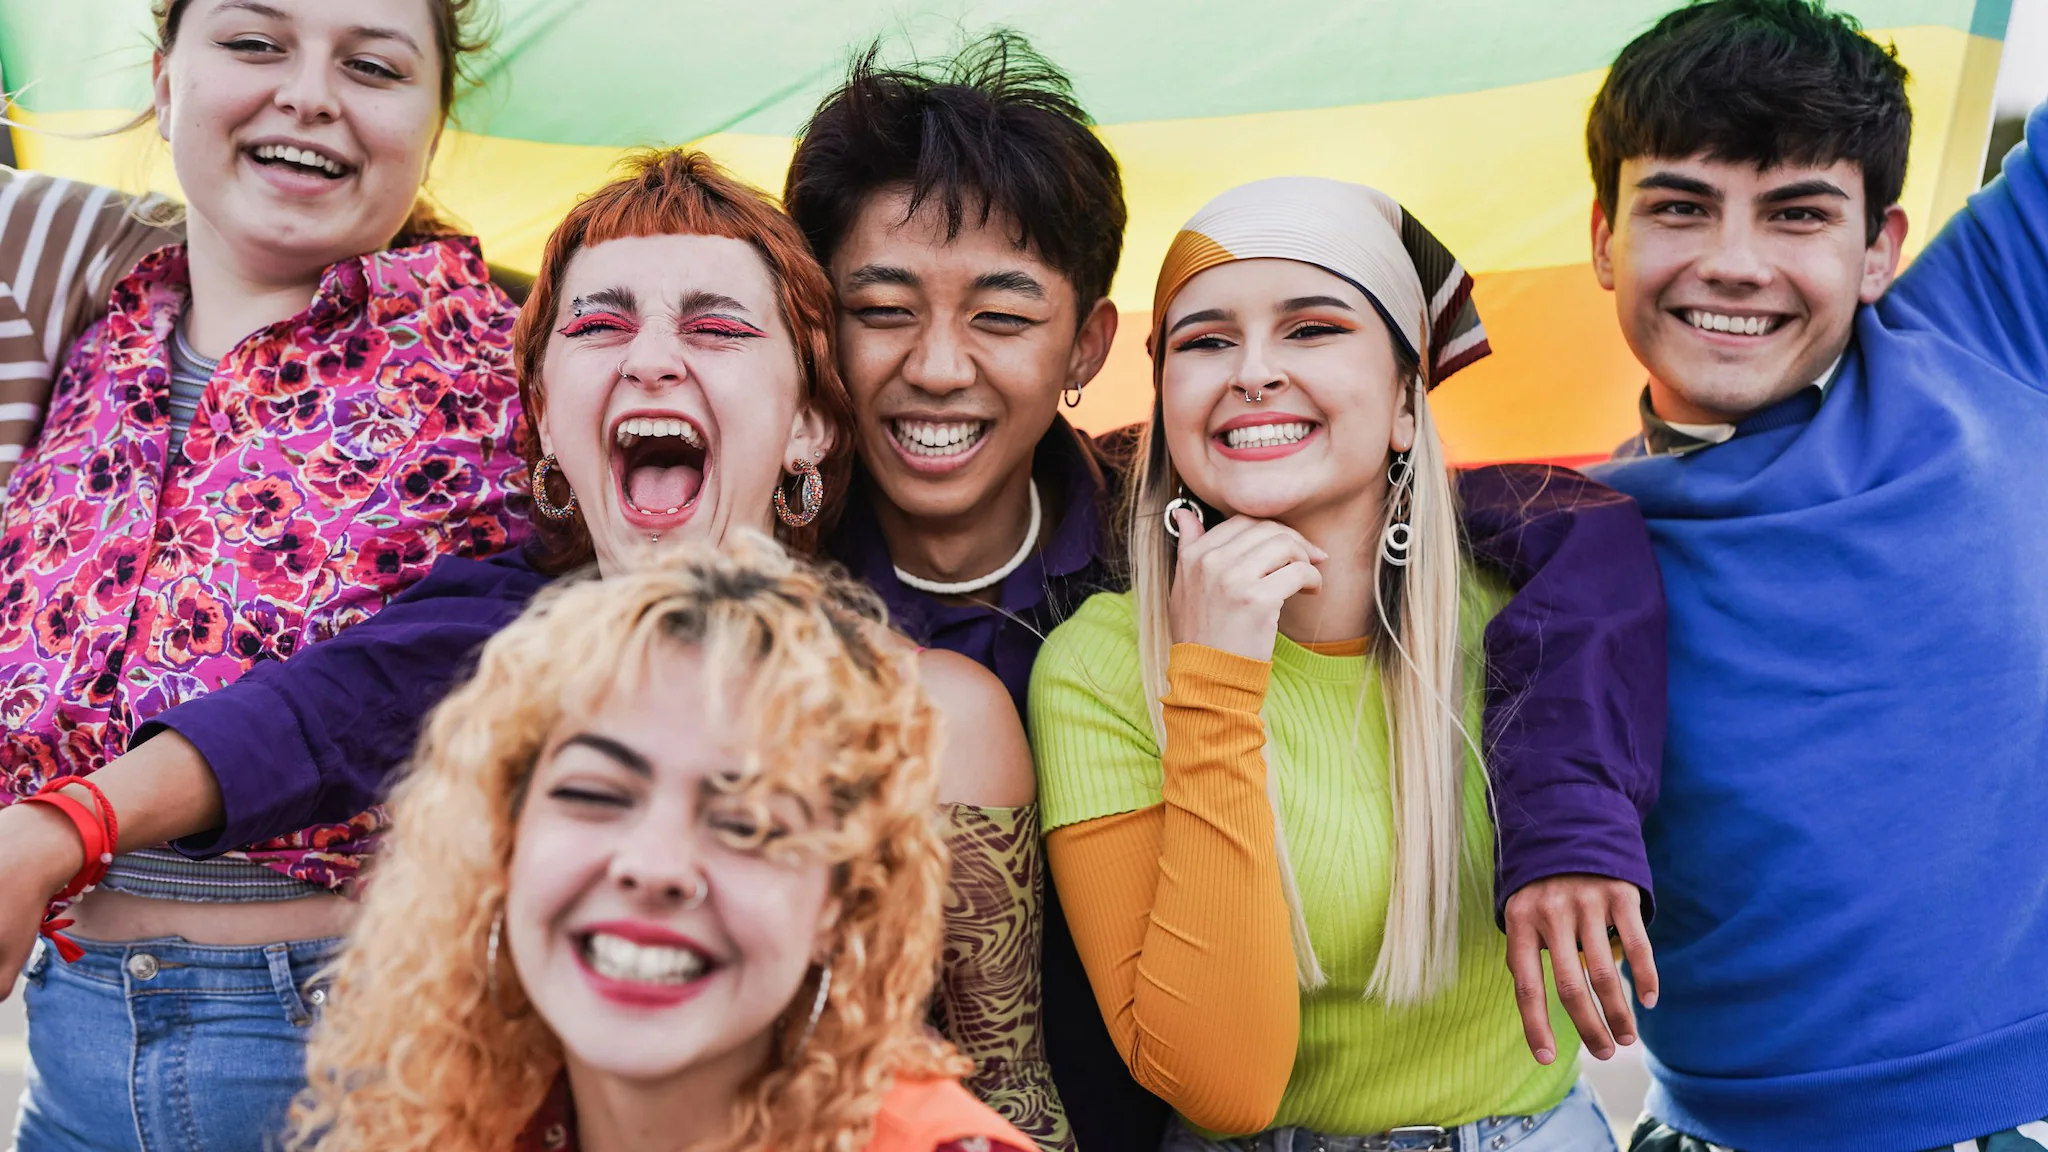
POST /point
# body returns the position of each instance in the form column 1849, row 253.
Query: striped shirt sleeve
column 63, row 245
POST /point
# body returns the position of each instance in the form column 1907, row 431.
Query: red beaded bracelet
column 100, row 833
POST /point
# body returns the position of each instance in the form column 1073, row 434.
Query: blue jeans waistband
column 172, row 965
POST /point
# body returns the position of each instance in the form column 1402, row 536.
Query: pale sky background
column 2023, row 77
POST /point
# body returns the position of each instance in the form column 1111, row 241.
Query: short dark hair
column 994, row 130
column 1764, row 81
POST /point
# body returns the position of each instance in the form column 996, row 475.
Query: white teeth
column 305, row 158
column 1268, row 435
column 926, row 438
column 639, row 427
column 620, row 959
column 1736, row 325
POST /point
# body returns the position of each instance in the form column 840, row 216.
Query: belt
column 1407, row 1138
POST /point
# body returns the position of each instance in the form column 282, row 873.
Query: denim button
column 1528, row 1123
column 317, row 997
column 142, row 966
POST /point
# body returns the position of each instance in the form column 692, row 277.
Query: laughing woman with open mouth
column 277, row 426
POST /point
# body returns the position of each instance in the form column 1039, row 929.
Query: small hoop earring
column 1177, row 504
column 538, row 487
column 1070, row 396
column 817, row 1010
column 491, row 969
column 813, row 497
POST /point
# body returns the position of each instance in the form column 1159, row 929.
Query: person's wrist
column 50, row 851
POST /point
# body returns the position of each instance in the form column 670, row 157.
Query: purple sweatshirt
column 1575, row 668
column 1574, row 723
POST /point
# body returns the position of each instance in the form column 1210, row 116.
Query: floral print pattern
column 333, row 457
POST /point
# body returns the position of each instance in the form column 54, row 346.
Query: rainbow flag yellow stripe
column 1470, row 112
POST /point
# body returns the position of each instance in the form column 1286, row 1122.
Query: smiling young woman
column 671, row 851
column 275, row 428
column 1261, row 767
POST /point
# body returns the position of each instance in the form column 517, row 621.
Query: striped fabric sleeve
column 63, row 245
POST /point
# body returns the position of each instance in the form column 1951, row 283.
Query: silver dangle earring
column 1399, row 535
column 491, row 969
column 817, row 1010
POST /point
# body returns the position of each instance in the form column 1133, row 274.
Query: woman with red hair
column 676, row 372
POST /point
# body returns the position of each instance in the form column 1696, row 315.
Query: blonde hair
column 1417, row 646
column 419, row 1054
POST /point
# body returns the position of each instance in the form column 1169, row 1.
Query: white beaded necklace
column 994, row 578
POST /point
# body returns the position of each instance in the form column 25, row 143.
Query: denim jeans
column 1576, row 1125
column 167, row 1046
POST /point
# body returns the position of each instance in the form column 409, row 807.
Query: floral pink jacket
column 333, row 457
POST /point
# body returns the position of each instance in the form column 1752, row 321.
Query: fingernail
column 1649, row 999
column 1625, row 1040
column 1545, row 1055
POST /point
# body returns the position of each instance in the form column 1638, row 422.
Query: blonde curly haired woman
column 666, row 875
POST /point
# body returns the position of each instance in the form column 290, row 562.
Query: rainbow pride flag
column 1471, row 112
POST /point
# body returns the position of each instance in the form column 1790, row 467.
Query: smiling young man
column 971, row 223
column 1843, row 478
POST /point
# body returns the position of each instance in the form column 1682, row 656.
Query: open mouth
column 295, row 159
column 1730, row 324
column 1267, row 435
column 660, row 464
column 938, row 440
column 657, row 966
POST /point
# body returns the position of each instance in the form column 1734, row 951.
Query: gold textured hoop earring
column 813, row 486
column 538, row 486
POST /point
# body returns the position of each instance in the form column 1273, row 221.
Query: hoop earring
column 817, row 1010
column 538, row 487
column 1070, row 396
column 1399, row 536
column 491, row 969
column 1178, row 503
column 813, row 497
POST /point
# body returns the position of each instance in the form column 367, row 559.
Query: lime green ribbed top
column 1361, row 1067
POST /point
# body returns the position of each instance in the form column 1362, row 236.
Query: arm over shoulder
column 1575, row 674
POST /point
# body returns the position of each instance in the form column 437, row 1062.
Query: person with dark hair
column 1842, row 472
column 971, row 223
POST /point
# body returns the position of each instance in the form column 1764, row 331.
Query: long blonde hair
column 1417, row 647
column 418, row 1053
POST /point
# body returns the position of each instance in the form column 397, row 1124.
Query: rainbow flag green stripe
column 1471, row 112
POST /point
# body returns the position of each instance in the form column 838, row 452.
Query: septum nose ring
column 1254, row 395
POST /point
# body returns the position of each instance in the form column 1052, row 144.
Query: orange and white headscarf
column 1349, row 230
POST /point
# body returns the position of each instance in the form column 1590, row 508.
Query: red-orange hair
column 677, row 192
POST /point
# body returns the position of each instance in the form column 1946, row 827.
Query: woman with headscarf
column 1260, row 768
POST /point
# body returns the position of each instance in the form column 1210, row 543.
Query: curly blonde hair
column 417, row 1053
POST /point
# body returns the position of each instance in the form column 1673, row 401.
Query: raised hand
column 1231, row 581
